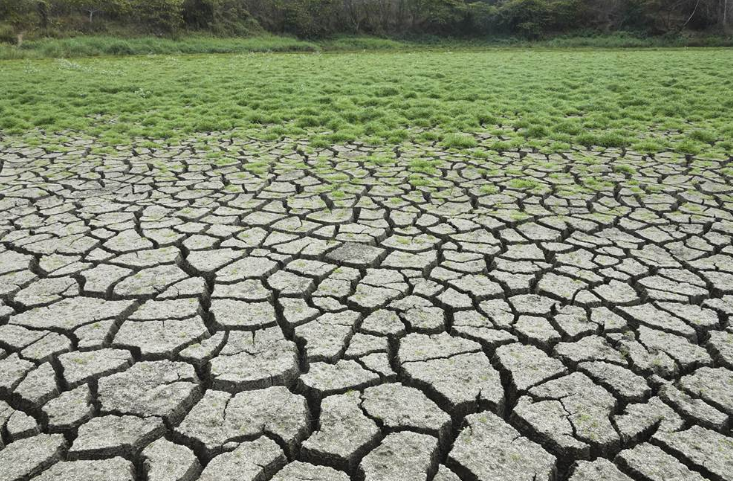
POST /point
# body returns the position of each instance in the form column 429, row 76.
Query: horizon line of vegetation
column 108, row 45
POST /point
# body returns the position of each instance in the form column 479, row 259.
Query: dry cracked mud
column 236, row 309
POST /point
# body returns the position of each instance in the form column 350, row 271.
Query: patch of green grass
column 364, row 43
column 703, row 136
column 418, row 180
column 524, row 184
column 128, row 43
column 692, row 147
column 489, row 189
column 459, row 141
column 648, row 146
column 91, row 46
column 550, row 101
column 624, row 169
column 379, row 160
column 424, row 166
column 633, row 40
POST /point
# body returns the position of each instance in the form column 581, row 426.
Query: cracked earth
column 285, row 313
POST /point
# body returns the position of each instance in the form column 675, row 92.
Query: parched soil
column 233, row 309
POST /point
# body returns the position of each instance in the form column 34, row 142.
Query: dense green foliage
column 647, row 100
column 319, row 18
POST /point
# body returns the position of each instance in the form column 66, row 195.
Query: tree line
column 321, row 18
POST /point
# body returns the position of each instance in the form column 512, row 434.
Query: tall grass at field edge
column 94, row 45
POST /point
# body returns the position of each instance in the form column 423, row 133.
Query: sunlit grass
column 647, row 101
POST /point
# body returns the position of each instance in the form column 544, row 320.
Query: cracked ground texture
column 355, row 313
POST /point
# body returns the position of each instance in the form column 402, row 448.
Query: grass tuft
column 459, row 141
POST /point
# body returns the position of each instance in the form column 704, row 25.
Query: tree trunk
column 91, row 16
column 694, row 11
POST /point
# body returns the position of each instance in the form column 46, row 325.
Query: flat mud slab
column 233, row 309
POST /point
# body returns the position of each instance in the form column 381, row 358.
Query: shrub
column 311, row 18
column 533, row 18
column 7, row 33
column 159, row 15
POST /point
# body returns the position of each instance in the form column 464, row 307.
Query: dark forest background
column 322, row 18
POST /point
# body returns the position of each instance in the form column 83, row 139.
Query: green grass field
column 477, row 101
